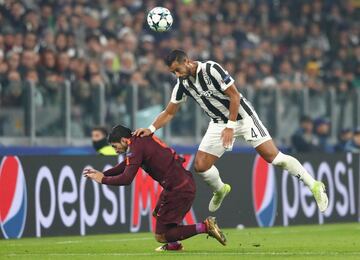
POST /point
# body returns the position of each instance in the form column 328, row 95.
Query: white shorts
column 250, row 128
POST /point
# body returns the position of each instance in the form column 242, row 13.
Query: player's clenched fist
column 142, row 132
column 93, row 174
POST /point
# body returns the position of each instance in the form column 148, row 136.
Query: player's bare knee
column 269, row 158
column 201, row 166
column 268, row 151
column 160, row 238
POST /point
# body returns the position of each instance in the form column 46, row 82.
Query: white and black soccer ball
column 159, row 19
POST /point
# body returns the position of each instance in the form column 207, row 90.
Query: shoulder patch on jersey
column 129, row 154
column 227, row 79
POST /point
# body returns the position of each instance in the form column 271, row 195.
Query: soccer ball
column 159, row 19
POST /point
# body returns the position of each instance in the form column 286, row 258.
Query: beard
column 187, row 74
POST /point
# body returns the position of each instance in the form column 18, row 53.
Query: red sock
column 174, row 245
column 201, row 228
column 180, row 233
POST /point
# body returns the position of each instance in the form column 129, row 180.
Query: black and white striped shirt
column 207, row 89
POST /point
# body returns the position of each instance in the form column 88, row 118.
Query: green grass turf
column 330, row 241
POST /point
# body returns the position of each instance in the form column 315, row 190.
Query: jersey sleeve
column 222, row 77
column 116, row 170
column 178, row 94
column 133, row 162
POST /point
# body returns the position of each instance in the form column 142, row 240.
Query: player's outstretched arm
column 162, row 119
column 93, row 174
column 116, row 170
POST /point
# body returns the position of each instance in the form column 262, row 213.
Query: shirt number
column 253, row 134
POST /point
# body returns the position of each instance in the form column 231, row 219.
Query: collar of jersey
column 128, row 151
column 197, row 70
column 198, row 67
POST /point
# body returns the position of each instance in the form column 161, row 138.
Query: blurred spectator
column 48, row 62
column 99, row 140
column 268, row 78
column 29, row 61
column 32, row 79
column 63, row 66
column 53, row 89
column 277, row 44
column 316, row 39
column 13, row 89
column 344, row 137
column 61, row 42
column 304, row 140
column 30, row 42
column 13, row 60
column 322, row 132
column 354, row 145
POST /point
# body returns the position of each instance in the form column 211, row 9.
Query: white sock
column 212, row 178
column 294, row 167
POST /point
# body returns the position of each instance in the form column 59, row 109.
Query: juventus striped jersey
column 207, row 89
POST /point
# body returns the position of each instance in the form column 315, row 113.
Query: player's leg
column 204, row 167
column 161, row 228
column 172, row 209
column 210, row 150
column 271, row 154
column 171, row 234
column 256, row 134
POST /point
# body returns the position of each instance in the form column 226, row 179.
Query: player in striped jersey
column 231, row 116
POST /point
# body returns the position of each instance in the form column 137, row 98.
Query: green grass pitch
column 330, row 241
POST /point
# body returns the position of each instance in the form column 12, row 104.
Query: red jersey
column 158, row 160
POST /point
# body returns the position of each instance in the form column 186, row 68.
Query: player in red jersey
column 165, row 167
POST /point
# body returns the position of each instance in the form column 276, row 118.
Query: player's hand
column 142, row 132
column 227, row 136
column 93, row 174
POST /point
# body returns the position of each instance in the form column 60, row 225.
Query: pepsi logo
column 13, row 197
column 264, row 192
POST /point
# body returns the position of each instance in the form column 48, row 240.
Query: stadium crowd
column 287, row 44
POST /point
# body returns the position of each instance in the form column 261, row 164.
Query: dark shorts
column 172, row 206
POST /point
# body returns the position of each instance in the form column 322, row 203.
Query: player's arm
column 226, row 83
column 131, row 166
column 178, row 96
column 234, row 96
column 132, row 163
column 162, row 119
column 228, row 133
column 125, row 178
column 165, row 116
column 116, row 170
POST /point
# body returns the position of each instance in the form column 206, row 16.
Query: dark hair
column 305, row 119
column 101, row 129
column 118, row 132
column 175, row 55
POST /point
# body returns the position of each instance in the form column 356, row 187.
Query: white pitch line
column 127, row 239
column 39, row 241
column 106, row 240
column 195, row 253
column 67, row 242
